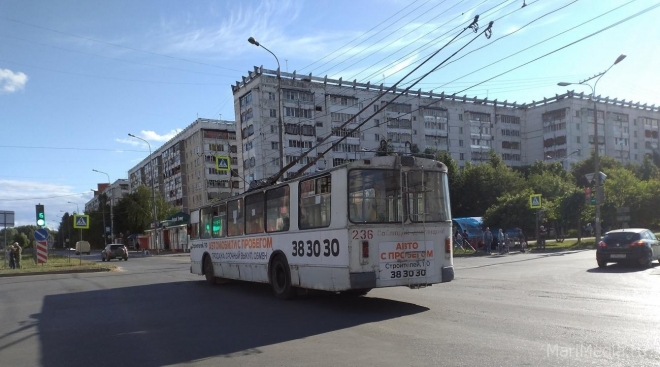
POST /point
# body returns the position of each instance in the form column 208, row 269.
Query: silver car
column 114, row 251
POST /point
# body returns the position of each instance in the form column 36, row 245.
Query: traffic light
column 41, row 216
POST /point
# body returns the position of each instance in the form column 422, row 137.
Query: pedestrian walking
column 500, row 240
column 488, row 240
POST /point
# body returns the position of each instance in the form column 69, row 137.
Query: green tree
column 481, row 185
column 582, row 168
column 647, row 170
column 133, row 213
column 512, row 210
column 22, row 239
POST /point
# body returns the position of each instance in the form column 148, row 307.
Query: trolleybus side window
column 314, row 203
column 219, row 222
column 375, row 196
column 428, row 198
column 235, row 217
column 277, row 209
column 205, row 219
column 254, row 213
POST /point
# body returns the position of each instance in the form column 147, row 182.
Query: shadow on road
column 170, row 323
column 620, row 268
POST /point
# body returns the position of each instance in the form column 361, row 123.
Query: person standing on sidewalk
column 10, row 256
column 18, row 252
column 543, row 234
column 521, row 240
column 500, row 241
column 488, row 240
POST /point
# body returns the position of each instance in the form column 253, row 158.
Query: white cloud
column 11, row 82
column 21, row 196
column 154, row 136
column 265, row 22
column 151, row 136
column 132, row 141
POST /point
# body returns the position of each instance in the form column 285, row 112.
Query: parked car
column 83, row 247
column 633, row 245
column 114, row 251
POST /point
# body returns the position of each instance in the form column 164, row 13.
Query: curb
column 100, row 270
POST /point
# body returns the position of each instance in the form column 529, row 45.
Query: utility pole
column 599, row 189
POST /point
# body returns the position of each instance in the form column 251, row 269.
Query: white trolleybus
column 379, row 222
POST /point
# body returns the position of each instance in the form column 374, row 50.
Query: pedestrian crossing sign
column 223, row 163
column 81, row 221
column 535, row 201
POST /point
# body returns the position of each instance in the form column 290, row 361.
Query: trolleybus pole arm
column 313, row 162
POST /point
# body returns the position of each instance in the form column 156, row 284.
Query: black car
column 633, row 245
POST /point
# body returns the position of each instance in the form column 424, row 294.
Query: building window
column 460, row 143
column 246, row 100
column 271, row 96
column 577, row 139
column 274, row 145
column 298, row 112
column 273, row 112
column 577, row 126
column 461, row 156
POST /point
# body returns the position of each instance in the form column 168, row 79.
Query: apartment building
column 184, row 168
column 114, row 192
column 313, row 108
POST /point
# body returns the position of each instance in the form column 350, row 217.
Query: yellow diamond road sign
column 223, row 163
column 81, row 221
column 535, row 201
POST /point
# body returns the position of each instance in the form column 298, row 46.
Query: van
column 83, row 247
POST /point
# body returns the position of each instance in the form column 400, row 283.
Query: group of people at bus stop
column 503, row 240
column 14, row 252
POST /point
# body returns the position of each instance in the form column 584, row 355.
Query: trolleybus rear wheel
column 208, row 270
column 280, row 278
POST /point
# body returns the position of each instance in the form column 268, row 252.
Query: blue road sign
column 41, row 234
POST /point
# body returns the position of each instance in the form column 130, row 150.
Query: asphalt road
column 515, row 310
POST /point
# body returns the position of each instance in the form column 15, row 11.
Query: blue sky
column 76, row 77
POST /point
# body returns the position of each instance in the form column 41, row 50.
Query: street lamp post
column 564, row 158
column 596, row 140
column 112, row 217
column 153, row 192
column 279, row 100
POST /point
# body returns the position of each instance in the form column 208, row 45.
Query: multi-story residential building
column 315, row 108
column 94, row 203
column 114, row 192
column 185, row 166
